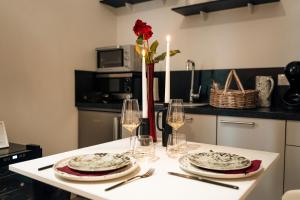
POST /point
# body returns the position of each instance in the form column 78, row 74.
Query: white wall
column 41, row 43
column 237, row 38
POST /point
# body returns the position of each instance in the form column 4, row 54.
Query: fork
column 145, row 175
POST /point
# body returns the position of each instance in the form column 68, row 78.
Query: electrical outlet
column 282, row 80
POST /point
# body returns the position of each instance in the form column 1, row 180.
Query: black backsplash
column 181, row 80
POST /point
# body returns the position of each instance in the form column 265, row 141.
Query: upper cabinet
column 217, row 5
column 121, row 3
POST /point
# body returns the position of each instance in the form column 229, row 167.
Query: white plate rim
column 98, row 169
column 216, row 168
column 67, row 176
column 198, row 171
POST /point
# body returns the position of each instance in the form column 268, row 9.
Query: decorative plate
column 98, row 162
column 184, row 164
column 219, row 160
column 131, row 167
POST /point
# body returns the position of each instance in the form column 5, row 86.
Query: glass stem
column 175, row 136
column 130, row 143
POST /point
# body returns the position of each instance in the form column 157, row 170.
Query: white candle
column 144, row 86
column 167, row 78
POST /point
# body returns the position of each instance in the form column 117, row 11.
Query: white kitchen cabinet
column 292, row 155
column 258, row 134
column 200, row 128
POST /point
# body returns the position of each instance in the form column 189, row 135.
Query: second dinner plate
column 185, row 165
column 219, row 160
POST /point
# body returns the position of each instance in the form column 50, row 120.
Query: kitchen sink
column 189, row 105
column 192, row 105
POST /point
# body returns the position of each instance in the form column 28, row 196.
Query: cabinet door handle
column 188, row 119
column 237, row 122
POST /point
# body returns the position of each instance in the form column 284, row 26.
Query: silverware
column 145, row 175
column 197, row 178
column 46, row 167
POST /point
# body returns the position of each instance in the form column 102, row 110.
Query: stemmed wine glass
column 131, row 117
column 175, row 118
column 175, row 115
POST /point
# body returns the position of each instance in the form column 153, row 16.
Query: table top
column 159, row 186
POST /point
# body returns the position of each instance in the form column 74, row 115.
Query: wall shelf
column 121, row 3
column 217, row 5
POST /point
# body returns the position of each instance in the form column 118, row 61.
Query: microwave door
column 110, row 58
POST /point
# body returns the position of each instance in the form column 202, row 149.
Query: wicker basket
column 229, row 98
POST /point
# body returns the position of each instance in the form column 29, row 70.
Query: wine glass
column 131, row 117
column 175, row 115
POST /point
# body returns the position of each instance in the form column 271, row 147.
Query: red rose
column 141, row 28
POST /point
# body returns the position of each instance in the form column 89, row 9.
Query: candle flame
column 168, row 38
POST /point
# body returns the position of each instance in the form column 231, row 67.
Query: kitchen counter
column 265, row 113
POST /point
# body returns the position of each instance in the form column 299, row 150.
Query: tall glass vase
column 151, row 114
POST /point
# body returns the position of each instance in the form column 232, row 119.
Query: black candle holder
column 166, row 128
column 145, row 127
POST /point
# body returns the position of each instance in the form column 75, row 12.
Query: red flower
column 142, row 29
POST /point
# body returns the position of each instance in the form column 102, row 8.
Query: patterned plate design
column 98, row 162
column 219, row 161
column 131, row 167
column 184, row 164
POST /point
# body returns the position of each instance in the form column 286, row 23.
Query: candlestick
column 144, row 86
column 167, row 81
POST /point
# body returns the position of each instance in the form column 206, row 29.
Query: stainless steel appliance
column 96, row 127
column 118, row 59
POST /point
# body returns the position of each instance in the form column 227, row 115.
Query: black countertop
column 265, row 113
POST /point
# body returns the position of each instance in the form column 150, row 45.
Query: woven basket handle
column 231, row 74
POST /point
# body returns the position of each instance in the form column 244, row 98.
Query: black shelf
column 121, row 3
column 217, row 5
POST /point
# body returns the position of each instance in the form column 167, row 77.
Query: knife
column 46, row 167
column 197, row 178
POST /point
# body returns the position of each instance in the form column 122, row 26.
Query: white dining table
column 160, row 185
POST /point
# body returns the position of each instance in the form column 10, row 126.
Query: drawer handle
column 238, row 122
column 188, row 119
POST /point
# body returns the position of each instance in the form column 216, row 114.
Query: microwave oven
column 118, row 59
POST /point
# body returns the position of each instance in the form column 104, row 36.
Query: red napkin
column 68, row 170
column 255, row 164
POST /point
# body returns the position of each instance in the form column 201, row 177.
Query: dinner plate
column 98, row 162
column 131, row 167
column 185, row 164
column 219, row 160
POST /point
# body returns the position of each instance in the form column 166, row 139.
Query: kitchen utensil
column 45, row 167
column 264, row 85
column 197, row 178
column 145, row 175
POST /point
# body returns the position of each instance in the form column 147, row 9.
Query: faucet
column 191, row 64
